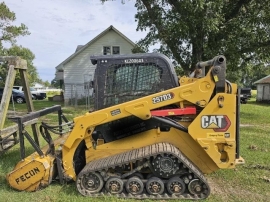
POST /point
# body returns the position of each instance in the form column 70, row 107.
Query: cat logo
column 219, row 123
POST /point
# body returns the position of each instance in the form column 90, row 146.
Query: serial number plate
column 162, row 98
column 133, row 61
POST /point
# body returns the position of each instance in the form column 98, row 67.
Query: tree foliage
column 9, row 32
column 247, row 76
column 46, row 83
column 189, row 31
column 25, row 54
column 56, row 83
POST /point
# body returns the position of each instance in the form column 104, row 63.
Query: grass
column 247, row 182
column 52, row 93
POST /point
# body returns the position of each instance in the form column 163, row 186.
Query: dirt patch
column 253, row 147
column 246, row 125
column 229, row 192
column 15, row 113
column 266, row 179
column 257, row 166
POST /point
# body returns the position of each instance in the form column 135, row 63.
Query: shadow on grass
column 253, row 131
column 248, row 115
column 38, row 105
column 254, row 102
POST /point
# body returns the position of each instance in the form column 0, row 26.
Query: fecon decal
column 219, row 123
column 27, row 175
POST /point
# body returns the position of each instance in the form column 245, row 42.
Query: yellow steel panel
column 214, row 129
column 140, row 109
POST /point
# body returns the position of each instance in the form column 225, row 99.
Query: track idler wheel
column 134, row 186
column 176, row 186
column 114, row 185
column 91, row 182
column 195, row 187
column 155, row 186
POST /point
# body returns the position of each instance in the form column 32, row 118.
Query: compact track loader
column 151, row 135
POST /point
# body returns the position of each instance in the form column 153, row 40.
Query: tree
column 196, row 30
column 46, row 83
column 26, row 54
column 56, row 83
column 9, row 32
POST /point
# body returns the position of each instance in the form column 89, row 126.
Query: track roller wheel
column 114, row 185
column 176, row 186
column 195, row 187
column 91, row 182
column 134, row 186
column 155, row 186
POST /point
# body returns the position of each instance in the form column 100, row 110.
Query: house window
column 116, row 50
column 108, row 50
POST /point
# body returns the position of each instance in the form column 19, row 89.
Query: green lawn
column 247, row 182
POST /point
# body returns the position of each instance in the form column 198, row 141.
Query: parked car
column 37, row 94
column 17, row 95
column 245, row 95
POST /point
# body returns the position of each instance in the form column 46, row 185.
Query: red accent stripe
column 172, row 112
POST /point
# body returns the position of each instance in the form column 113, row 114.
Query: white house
column 77, row 71
column 39, row 86
column 263, row 89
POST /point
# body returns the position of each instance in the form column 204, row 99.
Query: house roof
column 80, row 48
column 263, row 80
column 38, row 85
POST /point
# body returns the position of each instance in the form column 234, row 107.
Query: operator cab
column 121, row 78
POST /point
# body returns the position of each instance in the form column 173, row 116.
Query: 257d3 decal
column 219, row 123
column 162, row 98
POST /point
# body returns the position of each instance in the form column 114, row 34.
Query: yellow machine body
column 208, row 149
column 209, row 144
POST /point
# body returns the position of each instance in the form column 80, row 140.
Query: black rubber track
column 137, row 155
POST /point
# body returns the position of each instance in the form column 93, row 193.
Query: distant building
column 263, row 89
column 38, row 86
column 76, row 72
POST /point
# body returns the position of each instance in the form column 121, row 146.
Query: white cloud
column 58, row 26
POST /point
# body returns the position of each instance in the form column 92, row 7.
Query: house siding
column 263, row 92
column 80, row 69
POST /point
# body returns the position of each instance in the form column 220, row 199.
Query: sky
column 58, row 26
